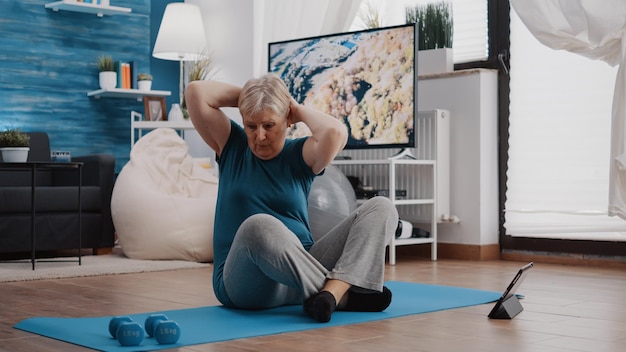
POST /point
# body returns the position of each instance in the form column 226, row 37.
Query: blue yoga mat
column 212, row 324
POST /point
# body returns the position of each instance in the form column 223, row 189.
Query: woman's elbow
column 342, row 135
column 192, row 91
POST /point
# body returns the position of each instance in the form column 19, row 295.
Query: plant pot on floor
column 14, row 154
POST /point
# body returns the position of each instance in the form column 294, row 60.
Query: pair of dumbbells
column 131, row 333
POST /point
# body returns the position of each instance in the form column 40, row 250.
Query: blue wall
column 48, row 64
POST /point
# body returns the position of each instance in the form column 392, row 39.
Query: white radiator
column 432, row 133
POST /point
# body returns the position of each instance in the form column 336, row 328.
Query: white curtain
column 596, row 30
column 276, row 20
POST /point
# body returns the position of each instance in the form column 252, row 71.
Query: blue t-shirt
column 248, row 185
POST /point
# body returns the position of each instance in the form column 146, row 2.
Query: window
column 559, row 143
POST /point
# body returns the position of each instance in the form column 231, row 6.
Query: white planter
column 14, row 154
column 435, row 61
column 108, row 79
column 176, row 114
column 144, row 85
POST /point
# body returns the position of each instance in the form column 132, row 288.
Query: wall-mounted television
column 367, row 79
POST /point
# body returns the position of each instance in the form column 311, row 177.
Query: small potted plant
column 435, row 31
column 108, row 76
column 144, row 81
column 14, row 145
column 200, row 69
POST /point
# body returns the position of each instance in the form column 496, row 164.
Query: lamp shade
column 181, row 34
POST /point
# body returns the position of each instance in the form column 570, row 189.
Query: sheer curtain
column 276, row 20
column 566, row 120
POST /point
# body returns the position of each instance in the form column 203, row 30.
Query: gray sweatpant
column 267, row 266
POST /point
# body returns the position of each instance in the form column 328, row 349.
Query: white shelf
column 127, row 93
column 138, row 125
column 384, row 162
column 407, row 241
column 99, row 10
column 177, row 125
column 413, row 201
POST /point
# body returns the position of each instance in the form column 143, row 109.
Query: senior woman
column 264, row 254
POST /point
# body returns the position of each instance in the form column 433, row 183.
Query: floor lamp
column 181, row 37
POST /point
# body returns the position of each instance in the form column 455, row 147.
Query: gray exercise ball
column 331, row 200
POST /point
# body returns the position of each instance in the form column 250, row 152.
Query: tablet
column 508, row 306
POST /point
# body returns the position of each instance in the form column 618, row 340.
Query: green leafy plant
column 198, row 70
column 370, row 16
column 105, row 63
column 434, row 24
column 201, row 68
column 144, row 77
column 13, row 137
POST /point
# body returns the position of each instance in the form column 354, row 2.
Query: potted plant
column 200, row 69
column 108, row 76
column 435, row 31
column 144, row 81
column 14, row 145
column 370, row 16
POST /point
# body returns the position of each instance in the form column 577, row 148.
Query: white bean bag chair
column 163, row 204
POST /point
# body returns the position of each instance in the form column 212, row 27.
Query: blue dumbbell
column 151, row 321
column 130, row 333
column 166, row 331
column 115, row 322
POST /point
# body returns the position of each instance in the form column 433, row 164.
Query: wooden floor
column 567, row 308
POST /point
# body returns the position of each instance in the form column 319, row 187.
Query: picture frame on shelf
column 154, row 108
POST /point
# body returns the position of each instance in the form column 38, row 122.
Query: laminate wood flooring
column 567, row 308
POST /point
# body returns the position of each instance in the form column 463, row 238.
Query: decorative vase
column 176, row 114
column 144, row 85
column 435, row 61
column 14, row 154
column 108, row 79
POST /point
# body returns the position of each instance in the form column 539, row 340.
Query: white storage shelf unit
column 424, row 179
column 393, row 175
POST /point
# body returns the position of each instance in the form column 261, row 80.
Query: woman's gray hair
column 267, row 92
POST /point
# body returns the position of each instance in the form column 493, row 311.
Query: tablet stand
column 509, row 308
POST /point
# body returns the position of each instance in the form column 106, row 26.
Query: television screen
column 365, row 79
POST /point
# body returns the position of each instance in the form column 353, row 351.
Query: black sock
column 320, row 306
column 368, row 302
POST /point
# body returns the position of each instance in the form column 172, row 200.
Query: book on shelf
column 118, row 71
column 133, row 75
column 124, row 76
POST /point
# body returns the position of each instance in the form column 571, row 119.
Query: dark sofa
column 56, row 198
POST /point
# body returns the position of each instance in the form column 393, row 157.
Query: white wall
column 228, row 27
column 471, row 97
